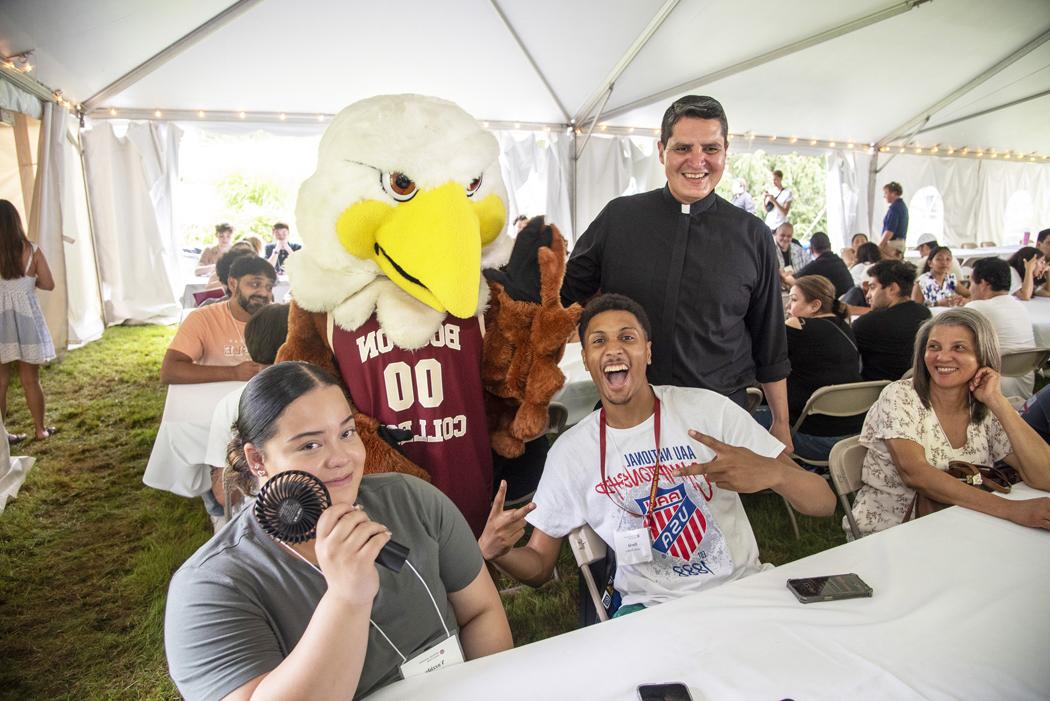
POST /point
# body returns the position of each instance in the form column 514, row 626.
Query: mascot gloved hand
column 405, row 209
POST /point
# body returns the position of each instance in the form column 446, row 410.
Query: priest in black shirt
column 704, row 270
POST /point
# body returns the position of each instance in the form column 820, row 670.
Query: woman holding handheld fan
column 253, row 616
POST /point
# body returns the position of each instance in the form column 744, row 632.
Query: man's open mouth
column 616, row 375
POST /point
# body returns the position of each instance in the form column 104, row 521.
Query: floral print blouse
column 884, row 499
column 932, row 293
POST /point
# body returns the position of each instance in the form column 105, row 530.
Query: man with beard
column 209, row 345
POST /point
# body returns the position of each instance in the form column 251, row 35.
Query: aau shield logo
column 678, row 526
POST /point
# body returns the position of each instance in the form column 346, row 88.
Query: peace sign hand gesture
column 734, row 468
column 503, row 528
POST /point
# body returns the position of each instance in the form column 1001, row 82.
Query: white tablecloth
column 176, row 463
column 962, row 254
column 959, row 611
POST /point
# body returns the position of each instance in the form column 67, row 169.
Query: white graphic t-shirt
column 700, row 536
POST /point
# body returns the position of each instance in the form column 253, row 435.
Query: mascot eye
column 474, row 186
column 399, row 186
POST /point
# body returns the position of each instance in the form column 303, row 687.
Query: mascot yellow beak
column 430, row 245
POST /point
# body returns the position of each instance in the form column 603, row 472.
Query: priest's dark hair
column 698, row 107
column 612, row 302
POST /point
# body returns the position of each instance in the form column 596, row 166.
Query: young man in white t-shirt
column 698, row 535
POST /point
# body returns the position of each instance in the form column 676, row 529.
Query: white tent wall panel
column 86, row 319
column 46, row 218
column 132, row 223
column 612, row 166
column 536, row 168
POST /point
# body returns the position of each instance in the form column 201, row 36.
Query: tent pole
column 594, row 122
column 169, row 52
column 873, row 169
column 761, row 59
column 91, row 228
column 573, row 163
column 529, row 58
column 624, row 62
column 981, row 113
column 923, row 117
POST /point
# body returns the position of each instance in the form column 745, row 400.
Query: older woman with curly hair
column 950, row 409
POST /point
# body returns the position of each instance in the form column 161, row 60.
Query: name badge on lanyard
column 634, row 546
column 445, row 653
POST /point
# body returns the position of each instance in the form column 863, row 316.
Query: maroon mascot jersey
column 435, row 392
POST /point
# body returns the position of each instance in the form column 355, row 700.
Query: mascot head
column 407, row 188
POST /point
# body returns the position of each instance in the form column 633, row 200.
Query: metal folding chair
column 845, row 465
column 848, row 399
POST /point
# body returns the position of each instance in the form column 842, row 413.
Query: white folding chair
column 845, row 465
column 848, row 399
column 1020, row 363
column 588, row 548
column 968, row 245
column 988, row 244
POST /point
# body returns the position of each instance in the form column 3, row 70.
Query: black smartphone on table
column 829, row 588
column 671, row 691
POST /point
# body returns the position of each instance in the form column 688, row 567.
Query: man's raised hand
column 734, row 468
column 503, row 528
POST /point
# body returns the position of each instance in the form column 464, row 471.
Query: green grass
column 86, row 550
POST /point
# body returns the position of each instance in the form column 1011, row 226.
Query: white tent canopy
column 963, row 86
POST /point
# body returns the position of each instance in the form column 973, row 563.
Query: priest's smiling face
column 694, row 158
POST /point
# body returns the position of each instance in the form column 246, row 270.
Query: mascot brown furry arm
column 405, row 210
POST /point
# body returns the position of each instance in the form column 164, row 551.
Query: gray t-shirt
column 238, row 607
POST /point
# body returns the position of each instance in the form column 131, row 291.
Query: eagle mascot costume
column 404, row 212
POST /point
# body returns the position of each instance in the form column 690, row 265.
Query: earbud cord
column 441, row 618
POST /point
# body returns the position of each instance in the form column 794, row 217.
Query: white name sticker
column 445, row 654
column 633, row 547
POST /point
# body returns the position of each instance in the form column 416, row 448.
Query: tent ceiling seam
column 530, row 59
column 985, row 75
column 625, row 61
column 169, row 52
column 768, row 56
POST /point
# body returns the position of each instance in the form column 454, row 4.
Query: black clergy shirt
column 707, row 276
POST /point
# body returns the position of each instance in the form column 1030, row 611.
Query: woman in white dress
column 950, row 409
column 24, row 337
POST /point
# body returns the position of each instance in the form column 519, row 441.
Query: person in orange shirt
column 209, row 345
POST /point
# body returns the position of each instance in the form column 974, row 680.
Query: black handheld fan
column 290, row 504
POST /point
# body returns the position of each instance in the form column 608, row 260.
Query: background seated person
column 1028, row 273
column 849, row 253
column 886, row 335
column 927, row 244
column 950, row 409
column 243, row 247
column 825, row 263
column 1036, row 413
column 938, row 286
column 792, row 255
column 867, row 255
column 709, row 450
column 990, row 285
column 822, row 352
column 209, row 345
column 210, row 255
column 222, row 272
column 263, row 335
column 281, row 247
column 251, row 617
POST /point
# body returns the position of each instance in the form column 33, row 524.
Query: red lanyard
column 656, row 468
